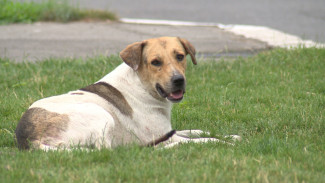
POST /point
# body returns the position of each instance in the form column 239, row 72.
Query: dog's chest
column 150, row 121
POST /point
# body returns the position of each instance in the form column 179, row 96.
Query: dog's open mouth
column 175, row 96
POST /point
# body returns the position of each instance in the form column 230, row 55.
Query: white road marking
column 273, row 37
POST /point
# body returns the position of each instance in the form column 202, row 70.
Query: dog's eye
column 156, row 63
column 179, row 57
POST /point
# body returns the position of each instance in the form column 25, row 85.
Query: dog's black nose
column 178, row 80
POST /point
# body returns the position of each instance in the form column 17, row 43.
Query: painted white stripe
column 165, row 22
column 271, row 36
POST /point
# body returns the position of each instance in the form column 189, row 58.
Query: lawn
column 12, row 11
column 274, row 100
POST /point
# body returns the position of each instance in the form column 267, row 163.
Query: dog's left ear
column 189, row 48
column 132, row 54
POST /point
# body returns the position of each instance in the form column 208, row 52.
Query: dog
column 130, row 105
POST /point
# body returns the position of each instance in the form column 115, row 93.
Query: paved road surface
column 78, row 39
column 304, row 18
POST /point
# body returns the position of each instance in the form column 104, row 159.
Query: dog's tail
column 161, row 139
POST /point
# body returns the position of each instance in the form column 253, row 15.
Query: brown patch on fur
column 39, row 125
column 111, row 95
column 132, row 54
column 189, row 49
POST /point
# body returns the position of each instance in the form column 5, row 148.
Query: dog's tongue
column 176, row 95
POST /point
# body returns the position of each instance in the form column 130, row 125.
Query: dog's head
column 160, row 64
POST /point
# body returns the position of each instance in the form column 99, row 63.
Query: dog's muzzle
column 177, row 89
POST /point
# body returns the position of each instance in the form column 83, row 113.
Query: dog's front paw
column 234, row 138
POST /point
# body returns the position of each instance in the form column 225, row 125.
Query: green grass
column 47, row 10
column 275, row 101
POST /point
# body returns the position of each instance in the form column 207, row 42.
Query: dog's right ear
column 189, row 48
column 132, row 54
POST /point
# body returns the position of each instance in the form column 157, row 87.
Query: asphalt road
column 303, row 18
column 39, row 41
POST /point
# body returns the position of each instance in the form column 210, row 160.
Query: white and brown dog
column 132, row 104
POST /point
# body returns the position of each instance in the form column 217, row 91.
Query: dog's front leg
column 186, row 136
column 199, row 133
column 191, row 133
column 176, row 140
